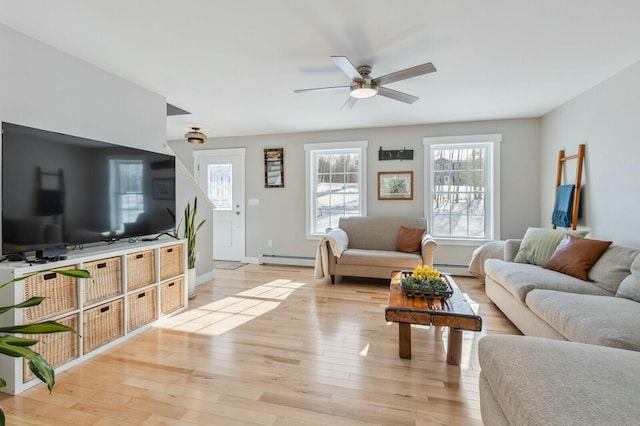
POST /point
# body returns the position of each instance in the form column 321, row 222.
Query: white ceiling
column 235, row 64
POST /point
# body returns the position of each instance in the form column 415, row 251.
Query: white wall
column 45, row 88
column 186, row 191
column 605, row 118
column 280, row 216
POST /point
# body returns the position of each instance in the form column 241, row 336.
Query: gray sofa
column 579, row 362
column 371, row 249
column 535, row 381
column 545, row 303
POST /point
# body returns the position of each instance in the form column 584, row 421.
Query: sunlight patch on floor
column 365, row 350
column 218, row 317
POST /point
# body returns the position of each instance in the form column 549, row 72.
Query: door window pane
column 219, row 185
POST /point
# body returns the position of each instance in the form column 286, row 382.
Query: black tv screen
column 61, row 190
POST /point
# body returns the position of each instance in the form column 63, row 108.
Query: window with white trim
column 463, row 183
column 336, row 183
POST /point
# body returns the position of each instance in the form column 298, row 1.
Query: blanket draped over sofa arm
column 335, row 241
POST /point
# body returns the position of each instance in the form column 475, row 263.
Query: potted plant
column 17, row 347
column 190, row 231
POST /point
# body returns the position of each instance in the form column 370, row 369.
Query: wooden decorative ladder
column 578, row 185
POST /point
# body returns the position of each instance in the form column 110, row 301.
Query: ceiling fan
column 363, row 86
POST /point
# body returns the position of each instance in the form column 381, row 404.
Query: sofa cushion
column 547, row 382
column 409, row 239
column 520, row 278
column 538, row 244
column 598, row 320
column 613, row 266
column 630, row 286
column 394, row 259
column 575, row 256
column 376, row 233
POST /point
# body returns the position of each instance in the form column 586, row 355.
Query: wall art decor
column 395, row 185
column 274, row 168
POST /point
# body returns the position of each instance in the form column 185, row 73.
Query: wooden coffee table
column 455, row 313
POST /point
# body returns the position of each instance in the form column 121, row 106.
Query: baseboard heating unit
column 277, row 259
column 459, row 270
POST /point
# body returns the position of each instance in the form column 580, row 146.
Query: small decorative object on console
column 426, row 282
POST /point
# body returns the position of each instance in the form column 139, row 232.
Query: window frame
column 492, row 181
column 310, row 149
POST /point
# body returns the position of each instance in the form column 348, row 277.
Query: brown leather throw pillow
column 409, row 239
column 575, row 256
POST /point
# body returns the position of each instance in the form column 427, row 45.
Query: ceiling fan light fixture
column 363, row 90
column 195, row 136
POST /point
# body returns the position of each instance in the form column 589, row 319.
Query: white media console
column 132, row 286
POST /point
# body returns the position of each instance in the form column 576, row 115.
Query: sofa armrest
column 428, row 245
column 511, row 247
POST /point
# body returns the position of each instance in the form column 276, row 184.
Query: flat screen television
column 65, row 191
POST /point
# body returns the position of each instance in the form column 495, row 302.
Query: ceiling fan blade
column 406, row 73
column 322, row 89
column 349, row 104
column 398, row 96
column 345, row 65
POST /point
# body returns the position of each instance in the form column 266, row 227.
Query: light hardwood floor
column 270, row 345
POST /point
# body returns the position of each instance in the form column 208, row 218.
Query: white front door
column 220, row 173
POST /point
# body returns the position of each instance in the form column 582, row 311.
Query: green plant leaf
column 13, row 351
column 43, row 371
column 17, row 341
column 2, row 419
column 77, row 273
column 37, row 364
column 37, row 328
column 30, row 302
column 190, row 231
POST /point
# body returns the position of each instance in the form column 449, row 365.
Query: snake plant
column 17, row 347
column 190, row 231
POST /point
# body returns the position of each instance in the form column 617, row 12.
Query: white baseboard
column 459, row 270
column 200, row 279
column 274, row 259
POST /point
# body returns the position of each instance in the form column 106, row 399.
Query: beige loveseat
column 371, row 247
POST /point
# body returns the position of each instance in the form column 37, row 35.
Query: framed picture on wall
column 274, row 168
column 395, row 185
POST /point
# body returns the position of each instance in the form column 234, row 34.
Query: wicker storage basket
column 143, row 308
column 56, row 348
column 60, row 293
column 171, row 296
column 171, row 261
column 103, row 324
column 140, row 269
column 105, row 281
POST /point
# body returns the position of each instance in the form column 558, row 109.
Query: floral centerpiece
column 425, row 281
